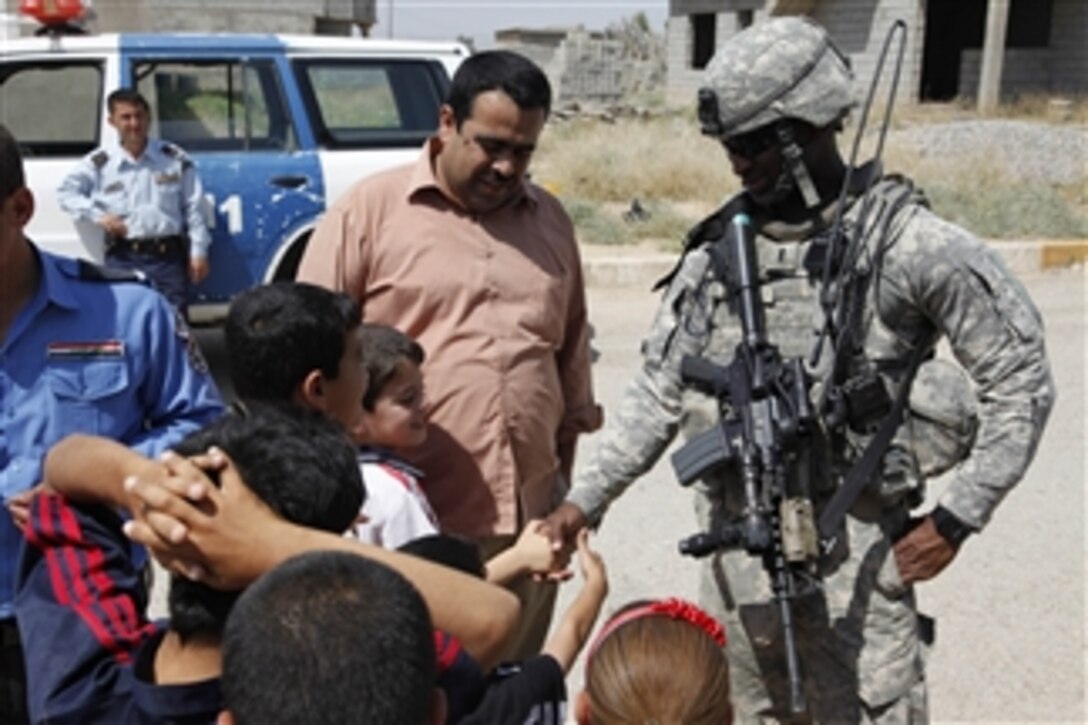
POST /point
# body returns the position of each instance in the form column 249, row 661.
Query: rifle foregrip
column 704, row 375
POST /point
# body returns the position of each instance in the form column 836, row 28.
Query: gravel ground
column 1027, row 150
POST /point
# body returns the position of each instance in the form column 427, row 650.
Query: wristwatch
column 951, row 528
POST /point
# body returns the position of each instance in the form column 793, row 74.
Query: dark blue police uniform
column 90, row 354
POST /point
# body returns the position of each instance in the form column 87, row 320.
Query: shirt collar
column 56, row 277
column 423, row 178
column 124, row 157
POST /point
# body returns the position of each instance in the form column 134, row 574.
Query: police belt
column 169, row 246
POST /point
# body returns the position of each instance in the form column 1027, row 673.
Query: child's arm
column 532, row 553
column 578, row 621
column 91, row 468
column 234, row 537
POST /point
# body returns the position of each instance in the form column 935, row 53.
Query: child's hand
column 536, row 554
column 591, row 564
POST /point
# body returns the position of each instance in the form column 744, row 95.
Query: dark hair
column 12, row 177
column 329, row 638
column 126, row 95
column 279, row 333
column 448, row 550
column 383, row 349
column 298, row 462
column 498, row 70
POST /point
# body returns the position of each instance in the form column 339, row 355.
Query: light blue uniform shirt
column 98, row 357
column 157, row 195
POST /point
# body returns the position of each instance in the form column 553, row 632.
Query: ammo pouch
column 942, row 417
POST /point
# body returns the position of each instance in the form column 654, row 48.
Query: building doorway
column 955, row 25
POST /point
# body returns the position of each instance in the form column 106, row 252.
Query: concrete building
column 324, row 17
column 591, row 66
column 1045, row 50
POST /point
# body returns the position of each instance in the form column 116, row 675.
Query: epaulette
column 176, row 152
column 91, row 272
column 99, row 158
column 710, row 229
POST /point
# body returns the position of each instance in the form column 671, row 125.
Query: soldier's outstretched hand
column 563, row 526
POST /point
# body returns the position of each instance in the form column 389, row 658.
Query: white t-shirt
column 396, row 508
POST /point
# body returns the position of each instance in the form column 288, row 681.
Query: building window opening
column 702, row 39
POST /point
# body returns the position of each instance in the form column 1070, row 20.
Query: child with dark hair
column 91, row 654
column 376, row 661
column 657, row 661
column 396, row 510
column 300, row 343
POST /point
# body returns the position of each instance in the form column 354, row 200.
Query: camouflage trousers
column 859, row 638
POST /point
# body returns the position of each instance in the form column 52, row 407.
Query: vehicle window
column 217, row 106
column 29, row 107
column 372, row 103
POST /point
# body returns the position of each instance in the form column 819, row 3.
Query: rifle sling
column 862, row 471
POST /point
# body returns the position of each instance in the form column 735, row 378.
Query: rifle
column 766, row 435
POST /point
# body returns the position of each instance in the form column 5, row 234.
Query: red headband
column 672, row 608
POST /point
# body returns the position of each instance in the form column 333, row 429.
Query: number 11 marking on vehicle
column 231, row 208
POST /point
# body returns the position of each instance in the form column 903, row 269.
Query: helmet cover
column 786, row 67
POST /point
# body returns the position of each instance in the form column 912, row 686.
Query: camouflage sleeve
column 996, row 333
column 638, row 433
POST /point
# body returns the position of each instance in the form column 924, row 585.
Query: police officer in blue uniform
column 82, row 349
column 146, row 196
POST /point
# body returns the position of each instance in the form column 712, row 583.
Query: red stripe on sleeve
column 446, row 649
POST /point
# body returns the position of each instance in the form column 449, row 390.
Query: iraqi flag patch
column 84, row 350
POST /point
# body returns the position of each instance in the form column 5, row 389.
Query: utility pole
column 993, row 55
column 390, row 18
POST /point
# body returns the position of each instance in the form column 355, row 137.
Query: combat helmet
column 786, row 67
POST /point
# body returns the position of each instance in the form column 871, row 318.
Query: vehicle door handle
column 290, row 181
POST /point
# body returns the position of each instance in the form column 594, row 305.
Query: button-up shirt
column 98, row 357
column 158, row 194
column 497, row 301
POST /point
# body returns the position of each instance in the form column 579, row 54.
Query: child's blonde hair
column 659, row 662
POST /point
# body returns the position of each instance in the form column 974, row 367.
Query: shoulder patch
column 176, row 152
column 90, row 272
column 196, row 356
column 99, row 158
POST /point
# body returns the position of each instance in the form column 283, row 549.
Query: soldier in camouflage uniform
column 779, row 92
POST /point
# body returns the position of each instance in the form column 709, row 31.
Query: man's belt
column 168, row 246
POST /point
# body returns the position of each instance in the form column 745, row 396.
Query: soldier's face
column 758, row 161
column 760, row 175
column 481, row 164
column 132, row 122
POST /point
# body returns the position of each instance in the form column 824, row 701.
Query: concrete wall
column 1069, row 44
column 859, row 28
column 682, row 81
column 583, row 66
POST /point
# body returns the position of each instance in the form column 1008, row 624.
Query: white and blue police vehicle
column 279, row 126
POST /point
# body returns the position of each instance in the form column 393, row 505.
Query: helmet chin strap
column 795, row 166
